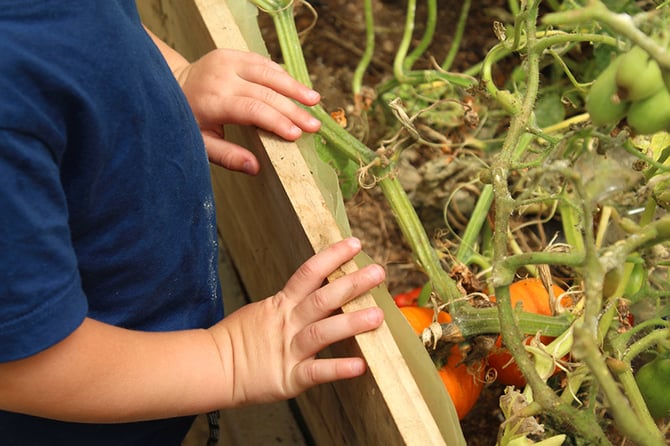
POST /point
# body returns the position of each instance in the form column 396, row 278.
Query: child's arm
column 263, row 352
column 235, row 87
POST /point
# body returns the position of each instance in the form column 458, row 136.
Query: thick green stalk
column 290, row 43
column 571, row 224
column 472, row 322
column 416, row 236
column 473, row 229
column 342, row 141
column 513, row 263
column 586, row 425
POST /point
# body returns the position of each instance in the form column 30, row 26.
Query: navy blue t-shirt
column 106, row 207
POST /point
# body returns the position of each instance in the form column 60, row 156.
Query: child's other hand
column 234, row 87
column 268, row 348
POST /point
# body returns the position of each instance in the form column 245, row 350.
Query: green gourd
column 638, row 75
column 653, row 379
column 602, row 101
column 650, row 115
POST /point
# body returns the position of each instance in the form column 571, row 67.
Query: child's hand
column 235, row 87
column 268, row 348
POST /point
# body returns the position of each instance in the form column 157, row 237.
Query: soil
column 333, row 45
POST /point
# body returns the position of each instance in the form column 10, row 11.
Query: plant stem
column 458, row 36
column 363, row 64
column 426, row 39
column 632, row 392
column 502, row 276
column 474, row 227
column 342, row 141
column 517, row 261
column 472, row 322
column 571, row 227
column 661, row 333
column 406, row 40
column 621, row 24
column 619, row 406
column 414, row 233
column 549, row 38
column 507, row 100
column 418, row 77
column 290, row 43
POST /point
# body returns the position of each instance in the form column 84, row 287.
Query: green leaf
column 346, row 169
column 549, row 110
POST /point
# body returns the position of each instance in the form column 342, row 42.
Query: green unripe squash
column 602, row 101
column 653, row 379
column 650, row 115
column 638, row 76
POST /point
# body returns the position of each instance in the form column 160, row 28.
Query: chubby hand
column 235, row 87
column 268, row 348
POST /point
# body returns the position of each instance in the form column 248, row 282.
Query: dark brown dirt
column 332, row 49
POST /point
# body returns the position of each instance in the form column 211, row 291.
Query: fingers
column 316, row 337
column 268, row 110
column 229, row 155
column 261, row 70
column 319, row 335
column 272, row 92
column 320, row 371
column 235, row 87
column 311, row 274
column 271, row 75
column 325, row 300
column 315, row 300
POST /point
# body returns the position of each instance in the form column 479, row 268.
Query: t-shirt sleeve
column 41, row 297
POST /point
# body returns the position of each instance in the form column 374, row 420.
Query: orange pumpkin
column 463, row 387
column 408, row 299
column 534, row 298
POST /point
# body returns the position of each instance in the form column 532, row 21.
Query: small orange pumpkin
column 409, row 298
column 534, row 298
column 463, row 386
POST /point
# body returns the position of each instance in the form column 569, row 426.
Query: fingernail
column 249, row 168
column 294, row 132
column 313, row 122
column 358, row 367
column 378, row 272
column 354, row 242
column 313, row 96
column 375, row 316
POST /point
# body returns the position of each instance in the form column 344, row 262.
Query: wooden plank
column 271, row 224
column 382, row 407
